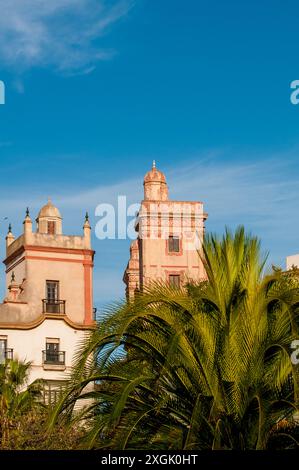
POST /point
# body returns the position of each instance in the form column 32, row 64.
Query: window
column 5, row 352
column 173, row 244
column 3, row 347
column 52, row 350
column 53, row 357
column 52, row 302
column 174, row 280
column 52, row 291
column 52, row 354
column 51, row 227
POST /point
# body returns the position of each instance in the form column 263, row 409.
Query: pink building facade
column 169, row 238
column 48, row 307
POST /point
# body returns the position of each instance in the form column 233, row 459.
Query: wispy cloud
column 61, row 34
column 262, row 194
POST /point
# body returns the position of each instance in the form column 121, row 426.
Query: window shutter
column 175, row 280
column 51, row 227
column 173, row 244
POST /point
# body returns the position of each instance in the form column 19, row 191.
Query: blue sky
column 95, row 90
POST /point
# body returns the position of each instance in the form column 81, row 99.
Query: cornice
column 38, row 321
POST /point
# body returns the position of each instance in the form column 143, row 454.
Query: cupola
column 49, row 220
column 155, row 186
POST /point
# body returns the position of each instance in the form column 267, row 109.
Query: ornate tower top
column 49, row 220
column 49, row 210
column 155, row 186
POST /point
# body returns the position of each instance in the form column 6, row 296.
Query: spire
column 154, row 164
column 13, row 289
column 27, row 215
column 9, row 237
column 27, row 226
column 87, row 231
column 86, row 221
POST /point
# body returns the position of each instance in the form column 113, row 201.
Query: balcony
column 6, row 355
column 53, row 306
column 53, row 360
column 9, row 354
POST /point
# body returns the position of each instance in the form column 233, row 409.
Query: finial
column 49, row 200
column 13, row 278
column 27, row 212
column 86, row 217
column 154, row 164
column 9, row 228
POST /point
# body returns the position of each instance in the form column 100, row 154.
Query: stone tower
column 169, row 238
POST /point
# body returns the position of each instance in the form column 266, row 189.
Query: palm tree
column 16, row 398
column 206, row 366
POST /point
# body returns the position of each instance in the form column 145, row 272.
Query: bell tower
column 169, row 238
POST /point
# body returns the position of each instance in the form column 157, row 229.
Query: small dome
column 49, row 211
column 154, row 175
column 155, row 186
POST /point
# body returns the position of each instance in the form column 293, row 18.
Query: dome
column 154, row 175
column 49, row 211
column 155, row 186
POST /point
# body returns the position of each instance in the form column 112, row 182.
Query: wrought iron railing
column 54, row 357
column 6, row 355
column 9, row 353
column 53, row 306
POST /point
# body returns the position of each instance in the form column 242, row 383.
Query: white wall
column 292, row 260
column 29, row 344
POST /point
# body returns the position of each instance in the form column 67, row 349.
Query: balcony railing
column 9, row 353
column 54, row 357
column 6, row 355
column 53, row 306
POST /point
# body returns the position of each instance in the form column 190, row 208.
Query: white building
column 48, row 308
column 292, row 260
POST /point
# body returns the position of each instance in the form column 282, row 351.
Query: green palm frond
column 206, row 366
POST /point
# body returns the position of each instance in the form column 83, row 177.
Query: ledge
column 21, row 248
column 42, row 318
column 54, row 366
